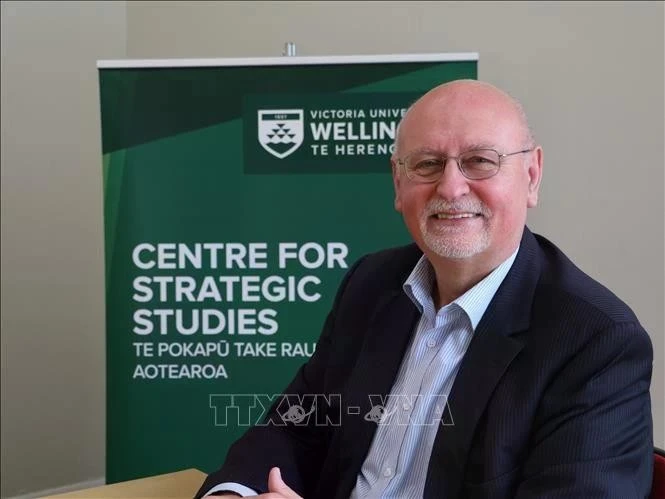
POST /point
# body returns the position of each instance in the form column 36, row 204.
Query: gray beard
column 452, row 243
column 455, row 245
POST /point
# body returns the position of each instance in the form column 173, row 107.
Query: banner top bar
column 285, row 61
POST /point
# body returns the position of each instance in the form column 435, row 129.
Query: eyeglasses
column 478, row 164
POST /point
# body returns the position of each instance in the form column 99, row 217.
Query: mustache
column 468, row 205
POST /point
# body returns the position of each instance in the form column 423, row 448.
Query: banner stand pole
column 289, row 49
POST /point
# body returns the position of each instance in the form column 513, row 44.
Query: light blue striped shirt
column 396, row 464
column 397, row 461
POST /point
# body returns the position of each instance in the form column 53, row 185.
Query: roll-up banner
column 237, row 193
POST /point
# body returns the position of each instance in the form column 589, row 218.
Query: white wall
column 589, row 74
column 53, row 419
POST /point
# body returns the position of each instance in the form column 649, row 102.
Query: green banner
column 237, row 193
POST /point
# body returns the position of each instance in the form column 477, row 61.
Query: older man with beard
column 478, row 362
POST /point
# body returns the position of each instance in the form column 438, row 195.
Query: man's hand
column 277, row 489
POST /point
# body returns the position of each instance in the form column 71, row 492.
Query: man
column 477, row 363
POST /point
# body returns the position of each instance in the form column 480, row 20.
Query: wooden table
column 178, row 485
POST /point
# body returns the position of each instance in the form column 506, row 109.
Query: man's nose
column 452, row 184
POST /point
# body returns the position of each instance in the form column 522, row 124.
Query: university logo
column 281, row 131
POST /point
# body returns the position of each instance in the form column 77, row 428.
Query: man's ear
column 535, row 172
column 396, row 184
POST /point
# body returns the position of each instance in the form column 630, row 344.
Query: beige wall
column 52, row 248
column 589, row 74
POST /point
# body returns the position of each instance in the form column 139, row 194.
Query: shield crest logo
column 281, row 131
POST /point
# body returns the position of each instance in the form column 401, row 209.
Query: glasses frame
column 402, row 163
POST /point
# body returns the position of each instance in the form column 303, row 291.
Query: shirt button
column 388, row 472
column 431, row 343
column 406, row 406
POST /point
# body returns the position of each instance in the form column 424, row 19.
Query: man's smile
column 455, row 216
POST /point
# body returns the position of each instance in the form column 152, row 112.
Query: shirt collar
column 419, row 285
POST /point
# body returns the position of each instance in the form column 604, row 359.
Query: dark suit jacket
column 551, row 398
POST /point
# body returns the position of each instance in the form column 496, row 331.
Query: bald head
column 464, row 96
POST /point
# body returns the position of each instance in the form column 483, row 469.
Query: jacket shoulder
column 565, row 284
column 387, row 269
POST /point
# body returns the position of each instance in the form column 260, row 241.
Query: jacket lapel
column 490, row 352
column 374, row 374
